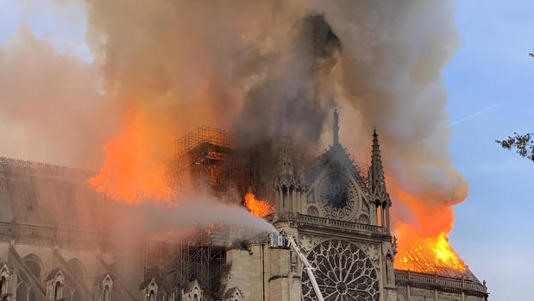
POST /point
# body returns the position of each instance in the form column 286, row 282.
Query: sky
column 64, row 25
column 490, row 81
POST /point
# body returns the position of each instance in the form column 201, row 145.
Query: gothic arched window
column 34, row 265
column 32, row 296
column 58, row 293
column 3, row 286
column 22, row 292
column 76, row 268
column 5, row 276
column 57, row 289
column 107, row 288
column 107, row 294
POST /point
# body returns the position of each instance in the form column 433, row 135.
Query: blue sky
column 64, row 25
column 491, row 85
column 492, row 72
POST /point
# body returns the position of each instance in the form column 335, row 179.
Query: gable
column 336, row 188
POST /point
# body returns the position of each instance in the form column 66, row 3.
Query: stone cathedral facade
column 338, row 213
column 340, row 216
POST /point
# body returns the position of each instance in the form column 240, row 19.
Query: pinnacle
column 376, row 170
column 336, row 128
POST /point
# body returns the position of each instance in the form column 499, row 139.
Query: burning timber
column 60, row 240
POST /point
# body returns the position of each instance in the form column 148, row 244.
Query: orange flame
column 431, row 254
column 257, row 207
column 133, row 168
column 423, row 244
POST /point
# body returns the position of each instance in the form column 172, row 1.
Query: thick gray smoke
column 289, row 103
column 268, row 68
column 390, row 72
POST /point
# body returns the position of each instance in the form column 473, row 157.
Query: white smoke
column 201, row 210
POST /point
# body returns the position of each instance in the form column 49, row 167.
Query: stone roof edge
column 40, row 168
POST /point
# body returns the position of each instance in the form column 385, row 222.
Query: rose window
column 343, row 272
column 338, row 196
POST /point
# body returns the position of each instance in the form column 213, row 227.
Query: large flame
column 257, row 207
column 134, row 168
column 427, row 254
column 423, row 244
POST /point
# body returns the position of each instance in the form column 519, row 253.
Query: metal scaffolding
column 194, row 257
column 205, row 158
column 201, row 160
column 202, row 135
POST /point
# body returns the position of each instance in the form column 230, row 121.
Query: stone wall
column 36, row 255
column 263, row 273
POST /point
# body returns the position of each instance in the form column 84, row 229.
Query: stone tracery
column 339, row 197
column 344, row 272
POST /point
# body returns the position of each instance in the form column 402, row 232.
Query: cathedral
column 55, row 243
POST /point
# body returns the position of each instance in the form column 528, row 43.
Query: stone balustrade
column 327, row 222
column 442, row 283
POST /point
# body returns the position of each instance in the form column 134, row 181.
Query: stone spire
column 377, row 186
column 336, row 128
column 377, row 183
column 285, row 169
column 286, row 182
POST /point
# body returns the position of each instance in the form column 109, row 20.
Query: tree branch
column 523, row 144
